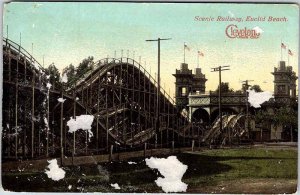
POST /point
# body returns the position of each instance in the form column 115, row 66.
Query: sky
column 66, row 33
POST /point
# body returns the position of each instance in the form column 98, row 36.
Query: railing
column 107, row 61
column 216, row 93
column 10, row 44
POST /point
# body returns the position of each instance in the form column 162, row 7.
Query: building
column 284, row 83
column 186, row 83
column 202, row 107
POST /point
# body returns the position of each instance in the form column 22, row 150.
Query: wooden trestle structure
column 119, row 93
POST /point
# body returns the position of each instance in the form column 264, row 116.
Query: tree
column 285, row 116
column 70, row 71
column 225, row 88
column 84, row 66
column 53, row 72
column 256, row 88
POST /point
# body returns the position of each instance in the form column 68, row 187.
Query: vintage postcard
column 132, row 97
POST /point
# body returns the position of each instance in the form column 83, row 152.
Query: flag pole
column 288, row 56
column 281, row 49
column 184, row 52
column 198, row 59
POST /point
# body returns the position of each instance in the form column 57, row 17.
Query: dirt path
column 252, row 186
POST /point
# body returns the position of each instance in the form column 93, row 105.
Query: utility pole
column 61, row 126
column 158, row 82
column 246, row 87
column 220, row 69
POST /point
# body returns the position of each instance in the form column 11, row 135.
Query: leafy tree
column 84, row 66
column 239, row 91
column 285, row 116
column 224, row 88
column 53, row 72
column 70, row 71
column 256, row 88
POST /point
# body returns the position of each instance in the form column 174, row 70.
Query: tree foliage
column 85, row 66
column 225, row 88
column 70, row 71
column 73, row 73
column 285, row 116
column 53, row 72
column 256, row 88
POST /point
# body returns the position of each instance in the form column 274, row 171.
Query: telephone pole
column 158, row 82
column 246, row 87
column 220, row 69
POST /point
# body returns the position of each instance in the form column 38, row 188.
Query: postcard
column 150, row 97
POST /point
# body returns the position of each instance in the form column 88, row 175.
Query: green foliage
column 285, row 116
column 86, row 65
column 225, row 88
column 76, row 73
column 54, row 74
column 205, row 168
column 73, row 73
column 256, row 88
column 70, row 71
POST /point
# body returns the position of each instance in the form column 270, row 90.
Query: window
column 183, row 91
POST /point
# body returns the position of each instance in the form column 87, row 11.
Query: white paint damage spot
column 257, row 98
column 116, row 186
column 64, row 78
column 46, row 123
column 231, row 14
column 258, row 29
column 55, row 173
column 48, row 85
column 132, row 163
column 83, row 122
column 172, row 170
column 62, row 100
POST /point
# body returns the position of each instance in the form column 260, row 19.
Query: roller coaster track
column 119, row 93
column 230, row 127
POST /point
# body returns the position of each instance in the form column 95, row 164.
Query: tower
column 198, row 84
column 284, row 83
column 186, row 83
column 183, row 85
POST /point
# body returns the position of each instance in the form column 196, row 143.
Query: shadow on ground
column 203, row 170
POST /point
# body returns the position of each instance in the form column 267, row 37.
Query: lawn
column 264, row 170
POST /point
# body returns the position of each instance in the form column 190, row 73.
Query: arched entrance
column 200, row 116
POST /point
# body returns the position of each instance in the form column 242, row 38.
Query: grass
column 234, row 164
column 206, row 168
